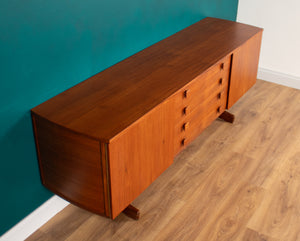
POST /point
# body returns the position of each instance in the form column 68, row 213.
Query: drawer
column 189, row 127
column 184, row 109
column 201, row 88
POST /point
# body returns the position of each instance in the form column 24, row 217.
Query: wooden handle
column 185, row 126
column 185, row 93
column 185, row 110
column 183, row 142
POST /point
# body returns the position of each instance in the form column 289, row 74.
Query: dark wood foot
column 226, row 116
column 132, row 212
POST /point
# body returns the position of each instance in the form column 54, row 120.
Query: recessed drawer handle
column 185, row 110
column 185, row 93
column 222, row 65
column 219, row 109
column 219, row 96
column 220, row 81
column 185, row 126
column 183, row 141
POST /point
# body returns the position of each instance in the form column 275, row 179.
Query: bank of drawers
column 200, row 102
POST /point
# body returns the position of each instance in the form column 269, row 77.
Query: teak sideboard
column 103, row 142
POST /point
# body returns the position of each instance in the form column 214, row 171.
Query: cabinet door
column 244, row 68
column 139, row 154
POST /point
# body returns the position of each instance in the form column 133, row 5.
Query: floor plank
column 251, row 235
column 279, row 213
column 236, row 181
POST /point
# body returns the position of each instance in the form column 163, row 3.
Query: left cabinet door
column 139, row 154
column 70, row 165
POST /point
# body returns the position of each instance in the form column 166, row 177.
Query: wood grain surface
column 140, row 155
column 244, row 67
column 70, row 165
column 107, row 103
column 200, row 102
column 234, row 182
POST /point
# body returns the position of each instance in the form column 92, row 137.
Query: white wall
column 280, row 52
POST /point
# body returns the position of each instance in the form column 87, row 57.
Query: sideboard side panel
column 139, row 155
column 244, row 68
column 70, row 165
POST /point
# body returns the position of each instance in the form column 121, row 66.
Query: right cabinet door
column 244, row 68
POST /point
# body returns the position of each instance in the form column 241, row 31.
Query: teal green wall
column 49, row 46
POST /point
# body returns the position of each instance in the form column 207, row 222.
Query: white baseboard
column 35, row 220
column 279, row 78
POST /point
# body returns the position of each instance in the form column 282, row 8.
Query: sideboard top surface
column 110, row 101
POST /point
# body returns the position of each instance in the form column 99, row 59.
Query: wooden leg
column 226, row 116
column 132, row 212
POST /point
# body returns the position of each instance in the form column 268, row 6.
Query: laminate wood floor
column 236, row 181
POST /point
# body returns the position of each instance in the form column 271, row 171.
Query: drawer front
column 202, row 87
column 200, row 103
column 190, row 127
